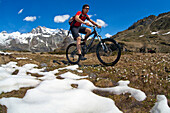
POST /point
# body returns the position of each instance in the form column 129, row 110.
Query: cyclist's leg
column 86, row 31
column 79, row 45
column 79, row 48
column 77, row 37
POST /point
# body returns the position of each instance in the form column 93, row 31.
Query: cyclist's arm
column 94, row 23
column 79, row 20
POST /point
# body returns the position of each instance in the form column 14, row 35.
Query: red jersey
column 82, row 16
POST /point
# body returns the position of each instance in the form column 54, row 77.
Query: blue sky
column 115, row 15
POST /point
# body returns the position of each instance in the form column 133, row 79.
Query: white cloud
column 108, row 35
column 61, row 18
column 30, row 18
column 101, row 23
column 20, row 11
column 92, row 15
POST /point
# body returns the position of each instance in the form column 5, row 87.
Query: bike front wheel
column 108, row 52
column 72, row 54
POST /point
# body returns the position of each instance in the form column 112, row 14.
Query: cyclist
column 76, row 27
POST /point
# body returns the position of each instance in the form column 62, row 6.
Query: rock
column 43, row 65
column 104, row 83
column 92, row 76
column 104, row 75
column 4, row 59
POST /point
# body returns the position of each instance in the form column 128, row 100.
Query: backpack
column 72, row 19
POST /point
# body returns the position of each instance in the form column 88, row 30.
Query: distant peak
column 4, row 32
column 46, row 31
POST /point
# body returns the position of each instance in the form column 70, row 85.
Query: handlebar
column 93, row 26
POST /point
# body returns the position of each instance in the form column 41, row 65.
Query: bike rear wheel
column 72, row 54
column 108, row 52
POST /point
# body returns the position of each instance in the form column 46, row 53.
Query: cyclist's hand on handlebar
column 99, row 26
column 87, row 24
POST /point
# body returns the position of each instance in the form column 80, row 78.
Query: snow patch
column 141, row 35
column 122, row 88
column 153, row 33
column 5, row 53
column 161, row 105
column 69, row 75
column 21, row 58
column 166, row 33
column 74, row 67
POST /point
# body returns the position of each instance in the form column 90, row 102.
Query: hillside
column 149, row 33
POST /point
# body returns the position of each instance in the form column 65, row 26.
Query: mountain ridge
column 149, row 33
column 40, row 39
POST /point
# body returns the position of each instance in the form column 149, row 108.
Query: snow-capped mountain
column 40, row 39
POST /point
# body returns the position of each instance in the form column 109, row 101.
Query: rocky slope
column 40, row 39
column 149, row 33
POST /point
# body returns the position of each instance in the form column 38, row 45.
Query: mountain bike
column 108, row 50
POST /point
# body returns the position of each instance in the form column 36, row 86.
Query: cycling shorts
column 76, row 30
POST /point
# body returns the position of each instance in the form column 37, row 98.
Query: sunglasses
column 86, row 8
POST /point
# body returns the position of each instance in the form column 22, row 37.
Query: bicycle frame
column 92, row 40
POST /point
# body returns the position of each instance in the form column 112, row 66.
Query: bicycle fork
column 102, row 44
